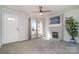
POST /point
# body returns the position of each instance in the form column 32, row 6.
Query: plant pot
column 77, row 40
column 73, row 41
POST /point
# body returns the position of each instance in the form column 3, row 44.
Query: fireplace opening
column 55, row 35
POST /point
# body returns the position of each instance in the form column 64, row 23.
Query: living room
column 35, row 25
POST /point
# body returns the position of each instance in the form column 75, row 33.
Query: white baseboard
column 23, row 39
column 0, row 45
column 15, row 41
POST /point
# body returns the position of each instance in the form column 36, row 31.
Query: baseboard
column 23, row 39
column 14, row 41
column 0, row 45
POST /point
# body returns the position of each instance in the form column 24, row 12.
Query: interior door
column 33, row 28
column 10, row 29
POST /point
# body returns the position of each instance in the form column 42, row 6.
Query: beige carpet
column 39, row 46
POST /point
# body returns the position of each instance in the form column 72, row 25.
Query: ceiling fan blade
column 47, row 11
column 41, row 11
column 36, row 11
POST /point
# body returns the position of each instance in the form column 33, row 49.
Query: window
column 55, row 20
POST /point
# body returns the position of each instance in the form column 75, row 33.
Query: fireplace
column 55, row 35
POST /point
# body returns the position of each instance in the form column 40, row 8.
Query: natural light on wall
column 48, row 36
column 12, row 19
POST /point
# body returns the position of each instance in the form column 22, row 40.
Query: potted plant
column 72, row 28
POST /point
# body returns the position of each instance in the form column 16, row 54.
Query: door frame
column 29, row 28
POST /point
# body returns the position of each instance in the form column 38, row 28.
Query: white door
column 33, row 28
column 10, row 29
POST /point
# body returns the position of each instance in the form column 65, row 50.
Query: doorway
column 34, row 28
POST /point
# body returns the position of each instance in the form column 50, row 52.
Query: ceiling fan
column 41, row 11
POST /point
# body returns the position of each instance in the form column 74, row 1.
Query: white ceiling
column 54, row 8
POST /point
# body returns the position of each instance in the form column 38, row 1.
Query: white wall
column 23, row 26
column 75, row 14
column 46, row 27
column 0, row 25
column 22, row 23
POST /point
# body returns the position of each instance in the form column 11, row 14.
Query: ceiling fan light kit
column 41, row 13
